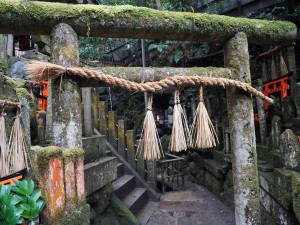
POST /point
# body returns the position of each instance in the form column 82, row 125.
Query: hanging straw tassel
column 273, row 69
column 149, row 147
column 264, row 74
column 283, row 68
column 4, row 163
column 203, row 131
column 180, row 137
column 18, row 153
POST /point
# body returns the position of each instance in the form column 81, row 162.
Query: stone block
column 100, row 200
column 279, row 194
column 213, row 184
column 277, row 160
column 296, row 194
column 216, row 168
column 99, row 173
column 290, row 149
column 278, row 213
column 264, row 153
column 222, row 157
column 283, row 178
column 94, row 148
column 276, row 130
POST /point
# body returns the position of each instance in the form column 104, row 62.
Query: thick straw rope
column 44, row 71
column 4, row 103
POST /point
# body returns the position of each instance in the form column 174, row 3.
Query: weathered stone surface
column 297, row 98
column 18, row 70
column 116, row 214
column 296, row 194
column 98, row 174
column 282, row 196
column 288, row 110
column 276, row 131
column 100, row 200
column 65, row 97
column 215, row 168
column 242, row 134
column 278, row 213
column 94, row 148
column 290, row 149
column 35, row 17
column 282, row 178
column 213, row 184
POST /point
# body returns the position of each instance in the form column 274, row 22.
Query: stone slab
column 213, row 184
column 222, row 157
column 278, row 213
column 99, row 173
column 94, row 148
column 280, row 195
column 283, row 178
column 215, row 168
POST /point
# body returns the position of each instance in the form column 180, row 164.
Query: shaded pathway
column 193, row 206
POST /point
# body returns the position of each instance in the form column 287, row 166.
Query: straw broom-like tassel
column 264, row 74
column 283, row 68
column 273, row 69
column 180, row 137
column 4, row 163
column 18, row 153
column 203, row 131
column 149, row 147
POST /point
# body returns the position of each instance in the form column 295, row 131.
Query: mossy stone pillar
column 87, row 111
column 65, row 92
column 261, row 115
column 241, row 125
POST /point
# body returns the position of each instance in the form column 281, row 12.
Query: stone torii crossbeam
column 65, row 22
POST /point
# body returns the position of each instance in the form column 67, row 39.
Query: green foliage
column 31, row 201
column 19, row 203
column 10, row 210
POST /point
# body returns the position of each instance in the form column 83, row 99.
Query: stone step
column 108, row 153
column 136, row 200
column 216, row 168
column 123, row 186
column 120, row 170
column 99, row 173
column 259, row 161
column 146, row 212
column 265, row 168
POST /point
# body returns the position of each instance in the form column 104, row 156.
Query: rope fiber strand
column 44, row 71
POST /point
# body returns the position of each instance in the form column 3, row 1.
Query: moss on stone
column 79, row 215
column 46, row 154
column 73, row 154
column 296, row 194
column 127, row 19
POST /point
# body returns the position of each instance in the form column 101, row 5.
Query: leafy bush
column 20, row 203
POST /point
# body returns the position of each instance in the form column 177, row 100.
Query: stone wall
column 279, row 178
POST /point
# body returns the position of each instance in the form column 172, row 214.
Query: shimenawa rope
column 45, row 71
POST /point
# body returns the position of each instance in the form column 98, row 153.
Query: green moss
column 78, row 215
column 72, row 154
column 296, row 194
column 139, row 18
column 44, row 155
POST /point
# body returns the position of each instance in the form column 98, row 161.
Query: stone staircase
column 132, row 190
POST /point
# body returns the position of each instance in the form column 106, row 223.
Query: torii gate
column 66, row 22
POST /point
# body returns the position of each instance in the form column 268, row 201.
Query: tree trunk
column 138, row 22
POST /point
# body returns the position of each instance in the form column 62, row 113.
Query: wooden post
column 121, row 137
column 241, row 125
column 95, row 110
column 103, row 114
column 130, row 144
column 112, row 128
column 87, row 112
column 65, row 97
